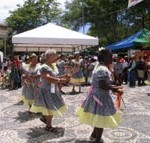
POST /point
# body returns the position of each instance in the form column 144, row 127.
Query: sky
column 7, row 5
column 10, row 5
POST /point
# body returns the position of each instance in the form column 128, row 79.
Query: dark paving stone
column 18, row 126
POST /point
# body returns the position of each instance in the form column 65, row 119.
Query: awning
column 138, row 39
column 52, row 36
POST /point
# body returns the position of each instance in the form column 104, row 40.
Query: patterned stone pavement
column 18, row 126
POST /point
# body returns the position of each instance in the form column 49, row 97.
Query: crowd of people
column 135, row 71
column 127, row 70
column 10, row 74
column 43, row 77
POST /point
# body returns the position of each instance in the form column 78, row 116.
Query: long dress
column 91, row 68
column 29, row 88
column 77, row 76
column 48, row 99
column 24, row 68
column 61, row 67
column 98, row 108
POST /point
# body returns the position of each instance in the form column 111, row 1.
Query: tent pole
column 81, row 48
column 39, row 50
column 5, row 46
column 73, row 50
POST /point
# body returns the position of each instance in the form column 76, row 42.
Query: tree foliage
column 110, row 20
column 1, row 44
column 32, row 14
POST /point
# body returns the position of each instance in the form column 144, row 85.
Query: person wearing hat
column 31, row 80
column 26, row 61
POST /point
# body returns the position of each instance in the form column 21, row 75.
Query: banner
column 133, row 2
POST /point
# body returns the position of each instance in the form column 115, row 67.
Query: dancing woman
column 30, row 79
column 77, row 77
column 98, row 109
column 48, row 100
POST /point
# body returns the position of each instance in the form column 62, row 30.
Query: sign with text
column 133, row 2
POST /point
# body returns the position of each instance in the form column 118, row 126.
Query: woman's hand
column 62, row 80
column 120, row 91
column 68, row 76
column 30, row 79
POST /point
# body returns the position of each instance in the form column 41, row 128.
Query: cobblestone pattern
column 18, row 126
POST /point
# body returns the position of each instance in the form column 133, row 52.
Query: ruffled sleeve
column 102, row 74
column 45, row 68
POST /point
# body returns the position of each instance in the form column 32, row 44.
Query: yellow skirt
column 147, row 82
column 25, row 101
column 77, row 80
column 99, row 121
column 48, row 112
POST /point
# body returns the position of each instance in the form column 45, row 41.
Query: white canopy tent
column 52, row 36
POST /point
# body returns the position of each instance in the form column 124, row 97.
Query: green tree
column 1, row 45
column 72, row 16
column 32, row 14
column 110, row 20
column 99, row 13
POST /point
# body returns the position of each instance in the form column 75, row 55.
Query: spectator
column 118, row 72
column 140, row 66
column 132, row 72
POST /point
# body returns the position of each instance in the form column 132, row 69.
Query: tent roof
column 133, row 40
column 51, row 34
column 144, row 37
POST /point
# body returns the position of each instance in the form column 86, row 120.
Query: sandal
column 94, row 139
column 62, row 92
column 50, row 129
column 101, row 141
column 43, row 120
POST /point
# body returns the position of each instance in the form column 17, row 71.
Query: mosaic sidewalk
column 18, row 126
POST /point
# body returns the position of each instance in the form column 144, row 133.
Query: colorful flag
column 133, row 2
